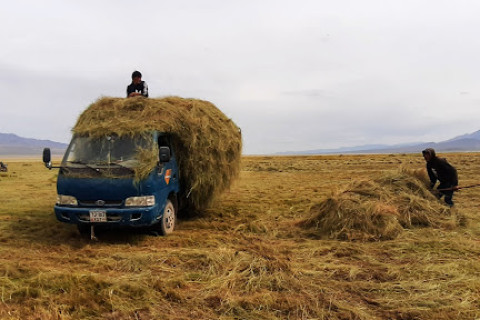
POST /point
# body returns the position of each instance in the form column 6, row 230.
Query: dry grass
column 207, row 143
column 379, row 209
column 244, row 257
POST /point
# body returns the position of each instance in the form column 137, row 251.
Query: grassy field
column 244, row 258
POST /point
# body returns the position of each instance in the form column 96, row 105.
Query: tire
column 169, row 219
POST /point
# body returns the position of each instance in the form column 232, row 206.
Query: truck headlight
column 64, row 200
column 144, row 201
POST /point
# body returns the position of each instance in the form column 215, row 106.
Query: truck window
column 105, row 150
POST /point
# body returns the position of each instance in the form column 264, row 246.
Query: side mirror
column 164, row 153
column 47, row 158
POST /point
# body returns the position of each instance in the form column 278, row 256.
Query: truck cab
column 109, row 180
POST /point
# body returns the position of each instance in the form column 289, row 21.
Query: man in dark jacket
column 137, row 87
column 440, row 169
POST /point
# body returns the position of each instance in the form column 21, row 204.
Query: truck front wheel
column 169, row 219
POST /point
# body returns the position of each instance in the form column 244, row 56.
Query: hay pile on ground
column 207, row 143
column 379, row 209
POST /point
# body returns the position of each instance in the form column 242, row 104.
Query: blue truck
column 98, row 182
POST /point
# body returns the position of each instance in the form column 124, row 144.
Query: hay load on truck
column 136, row 161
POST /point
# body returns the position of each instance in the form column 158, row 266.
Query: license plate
column 98, row 216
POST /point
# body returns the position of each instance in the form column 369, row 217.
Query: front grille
column 100, row 203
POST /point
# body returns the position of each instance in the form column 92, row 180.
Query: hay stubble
column 244, row 258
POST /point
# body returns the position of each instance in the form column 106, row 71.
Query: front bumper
column 134, row 217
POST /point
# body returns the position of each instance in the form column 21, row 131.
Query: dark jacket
column 140, row 87
column 440, row 169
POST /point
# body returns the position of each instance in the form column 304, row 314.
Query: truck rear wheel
column 169, row 219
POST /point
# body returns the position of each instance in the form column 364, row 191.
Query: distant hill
column 11, row 144
column 474, row 135
column 466, row 142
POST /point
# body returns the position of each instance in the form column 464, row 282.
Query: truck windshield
column 105, row 152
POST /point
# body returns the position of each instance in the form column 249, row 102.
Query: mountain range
column 462, row 143
column 11, row 144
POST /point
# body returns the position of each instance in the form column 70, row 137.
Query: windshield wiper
column 85, row 165
column 121, row 166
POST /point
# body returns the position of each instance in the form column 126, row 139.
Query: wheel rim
column 169, row 219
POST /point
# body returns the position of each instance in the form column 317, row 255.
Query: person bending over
column 439, row 169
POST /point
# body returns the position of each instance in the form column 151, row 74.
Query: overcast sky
column 294, row 75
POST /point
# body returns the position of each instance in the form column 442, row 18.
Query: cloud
column 316, row 75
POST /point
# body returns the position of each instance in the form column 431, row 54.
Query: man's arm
column 131, row 91
column 431, row 175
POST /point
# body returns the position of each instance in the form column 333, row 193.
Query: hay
column 207, row 143
column 378, row 209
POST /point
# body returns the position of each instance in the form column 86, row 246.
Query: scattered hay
column 207, row 143
column 379, row 209
column 341, row 219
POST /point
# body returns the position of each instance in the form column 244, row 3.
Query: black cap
column 136, row 74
